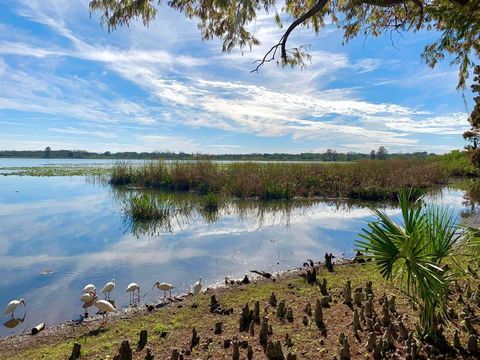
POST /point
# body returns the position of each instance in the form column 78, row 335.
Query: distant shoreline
column 329, row 155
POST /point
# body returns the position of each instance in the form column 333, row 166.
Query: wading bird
column 197, row 287
column 165, row 287
column 108, row 288
column 12, row 305
column 89, row 288
column 131, row 289
column 88, row 301
column 105, row 307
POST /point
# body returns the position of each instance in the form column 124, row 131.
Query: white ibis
column 12, row 305
column 165, row 287
column 131, row 289
column 107, row 288
column 88, row 301
column 104, row 306
column 197, row 287
column 89, row 288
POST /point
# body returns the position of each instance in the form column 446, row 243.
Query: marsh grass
column 145, row 207
column 373, row 180
column 211, row 202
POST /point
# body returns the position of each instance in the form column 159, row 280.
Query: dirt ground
column 170, row 327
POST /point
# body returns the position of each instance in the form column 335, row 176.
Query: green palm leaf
column 410, row 252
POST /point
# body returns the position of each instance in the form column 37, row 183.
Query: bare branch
column 316, row 9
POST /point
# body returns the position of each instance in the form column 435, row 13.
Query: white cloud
column 183, row 90
column 75, row 131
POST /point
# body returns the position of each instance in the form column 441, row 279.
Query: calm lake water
column 76, row 229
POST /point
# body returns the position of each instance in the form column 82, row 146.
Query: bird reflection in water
column 14, row 322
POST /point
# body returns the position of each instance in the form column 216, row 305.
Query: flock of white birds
column 90, row 297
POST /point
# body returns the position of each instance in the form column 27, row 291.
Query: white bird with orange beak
column 12, row 306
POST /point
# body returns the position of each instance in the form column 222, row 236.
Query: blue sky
column 67, row 83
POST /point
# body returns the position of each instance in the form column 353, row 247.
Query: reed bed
column 372, row 180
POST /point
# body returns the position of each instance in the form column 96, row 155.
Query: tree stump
column 328, row 262
column 175, row 355
column 402, row 331
column 456, row 341
column 251, row 330
column 274, row 351
column 362, row 314
column 291, row 356
column 142, row 340
column 344, row 348
column 305, row 321
column 467, row 324
column 289, row 315
column 281, row 310
column 356, row 322
column 249, row 352
column 246, row 317
column 256, row 312
column 358, row 296
column 368, row 288
column 218, row 328
column 245, row 280
column 323, row 287
column 325, row 301
column 472, row 345
column 124, row 352
column 392, row 306
column 347, row 293
column 311, row 276
column 149, row 355
column 75, row 351
column 214, row 304
column 319, row 316
column 273, row 300
column 308, row 309
column 371, row 342
column 288, row 341
column 195, row 339
column 263, row 335
column 236, row 351
column 369, row 307
column 385, row 314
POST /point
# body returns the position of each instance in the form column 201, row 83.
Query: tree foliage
column 473, row 134
column 457, row 23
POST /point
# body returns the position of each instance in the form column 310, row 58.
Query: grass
column 146, row 207
column 367, row 179
column 178, row 319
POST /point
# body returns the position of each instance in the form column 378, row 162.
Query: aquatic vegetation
column 273, row 181
column 211, row 202
column 58, row 170
column 413, row 254
column 145, row 207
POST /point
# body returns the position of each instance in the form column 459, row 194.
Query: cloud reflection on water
column 77, row 229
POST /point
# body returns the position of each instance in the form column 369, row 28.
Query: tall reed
column 361, row 180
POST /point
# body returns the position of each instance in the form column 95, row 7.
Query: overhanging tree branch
column 283, row 41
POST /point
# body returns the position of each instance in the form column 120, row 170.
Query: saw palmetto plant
column 412, row 251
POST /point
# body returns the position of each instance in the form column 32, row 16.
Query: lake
column 75, row 228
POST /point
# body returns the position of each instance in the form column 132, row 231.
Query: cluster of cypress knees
column 385, row 335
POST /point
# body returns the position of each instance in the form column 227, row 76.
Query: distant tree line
column 329, row 155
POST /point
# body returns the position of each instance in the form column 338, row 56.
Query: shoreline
column 170, row 326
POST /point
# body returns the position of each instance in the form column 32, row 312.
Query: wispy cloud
column 165, row 87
